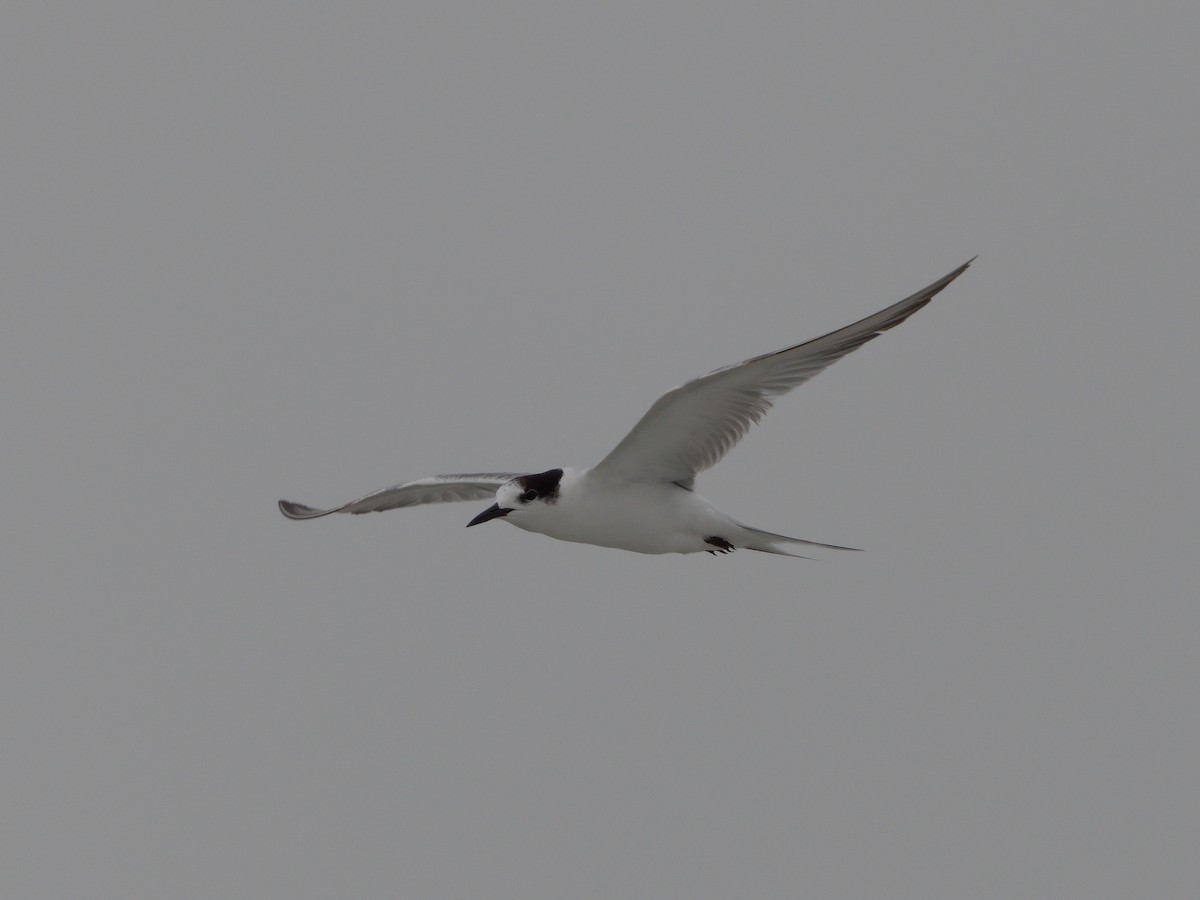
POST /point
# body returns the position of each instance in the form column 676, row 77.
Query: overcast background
column 263, row 250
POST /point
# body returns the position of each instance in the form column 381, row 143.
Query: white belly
column 643, row 518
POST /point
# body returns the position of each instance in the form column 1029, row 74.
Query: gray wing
column 690, row 428
column 435, row 489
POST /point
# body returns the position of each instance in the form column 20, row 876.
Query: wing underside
column 435, row 489
column 690, row 428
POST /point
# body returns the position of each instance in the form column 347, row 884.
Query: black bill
column 492, row 512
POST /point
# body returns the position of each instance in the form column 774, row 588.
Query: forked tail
column 766, row 541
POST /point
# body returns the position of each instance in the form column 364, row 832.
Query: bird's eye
column 528, row 495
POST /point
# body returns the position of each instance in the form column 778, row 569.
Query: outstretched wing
column 690, row 428
column 435, row 489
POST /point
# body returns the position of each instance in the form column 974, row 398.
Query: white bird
column 641, row 496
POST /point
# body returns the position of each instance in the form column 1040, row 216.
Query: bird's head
column 521, row 495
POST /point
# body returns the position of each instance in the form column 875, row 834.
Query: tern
column 641, row 496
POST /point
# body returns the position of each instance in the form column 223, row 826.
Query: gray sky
column 263, row 250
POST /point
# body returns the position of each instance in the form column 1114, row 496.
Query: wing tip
column 300, row 511
column 944, row 281
column 922, row 298
column 941, row 283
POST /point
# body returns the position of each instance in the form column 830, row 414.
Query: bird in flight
column 641, row 497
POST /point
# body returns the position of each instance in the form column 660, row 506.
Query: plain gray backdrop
column 302, row 250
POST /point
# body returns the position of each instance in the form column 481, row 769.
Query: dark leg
column 722, row 545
